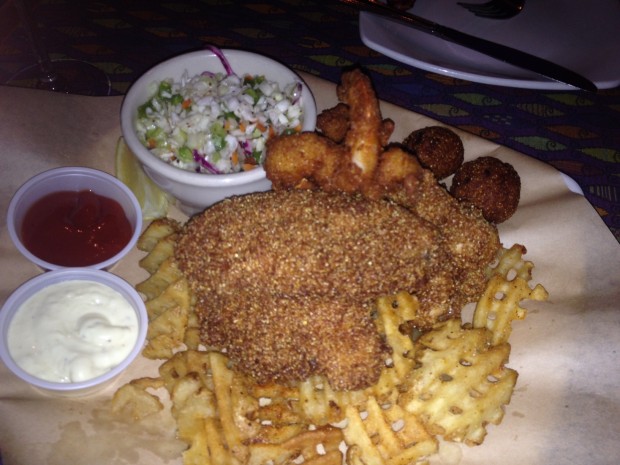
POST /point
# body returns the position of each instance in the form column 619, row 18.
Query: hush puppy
column 489, row 184
column 438, row 149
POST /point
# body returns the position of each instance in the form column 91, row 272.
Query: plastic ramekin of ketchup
column 74, row 217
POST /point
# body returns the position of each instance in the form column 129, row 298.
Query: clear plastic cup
column 36, row 284
column 72, row 179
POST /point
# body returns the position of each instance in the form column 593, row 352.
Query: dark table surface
column 576, row 132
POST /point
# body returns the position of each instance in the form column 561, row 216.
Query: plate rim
column 368, row 19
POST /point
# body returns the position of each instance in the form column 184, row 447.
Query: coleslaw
column 217, row 122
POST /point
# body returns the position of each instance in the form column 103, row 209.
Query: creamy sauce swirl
column 72, row 331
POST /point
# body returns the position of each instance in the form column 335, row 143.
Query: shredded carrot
column 248, row 166
column 261, row 127
column 242, row 126
column 186, row 103
column 152, row 143
column 235, row 158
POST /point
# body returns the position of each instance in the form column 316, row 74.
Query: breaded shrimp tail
column 362, row 164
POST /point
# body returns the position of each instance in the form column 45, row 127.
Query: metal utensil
column 495, row 9
column 500, row 52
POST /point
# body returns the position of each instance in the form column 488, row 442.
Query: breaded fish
column 285, row 281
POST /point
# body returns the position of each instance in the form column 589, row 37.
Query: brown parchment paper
column 566, row 407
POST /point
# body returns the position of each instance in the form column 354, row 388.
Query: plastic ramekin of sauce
column 75, row 228
column 72, row 330
column 74, row 217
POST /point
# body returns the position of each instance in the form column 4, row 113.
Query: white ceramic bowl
column 36, row 284
column 73, row 178
column 196, row 191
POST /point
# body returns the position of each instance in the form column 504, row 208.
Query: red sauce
column 75, row 228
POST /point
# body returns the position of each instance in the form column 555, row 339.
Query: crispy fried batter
column 363, row 140
column 333, row 123
column 472, row 242
column 389, row 173
column 305, row 160
column 284, row 280
column 438, row 149
column 489, row 184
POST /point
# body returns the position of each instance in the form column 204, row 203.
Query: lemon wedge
column 153, row 201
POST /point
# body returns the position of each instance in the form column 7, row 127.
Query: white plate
column 582, row 36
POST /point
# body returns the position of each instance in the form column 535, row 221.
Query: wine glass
column 65, row 75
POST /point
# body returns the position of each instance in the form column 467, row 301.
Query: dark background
column 576, row 132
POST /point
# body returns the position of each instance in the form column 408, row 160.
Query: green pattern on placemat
column 576, row 132
column 540, row 143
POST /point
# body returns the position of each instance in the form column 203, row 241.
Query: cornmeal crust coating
column 334, row 122
column 438, row 149
column 284, row 281
column 489, row 184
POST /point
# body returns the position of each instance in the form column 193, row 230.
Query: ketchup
column 75, row 228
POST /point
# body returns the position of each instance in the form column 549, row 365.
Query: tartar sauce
column 72, row 331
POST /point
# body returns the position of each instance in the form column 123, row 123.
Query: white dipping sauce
column 72, row 331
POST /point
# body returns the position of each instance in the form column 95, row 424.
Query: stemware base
column 68, row 76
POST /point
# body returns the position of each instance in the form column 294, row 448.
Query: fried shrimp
column 306, row 160
column 363, row 164
column 333, row 123
column 313, row 160
column 363, row 140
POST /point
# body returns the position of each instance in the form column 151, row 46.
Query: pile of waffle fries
column 449, row 382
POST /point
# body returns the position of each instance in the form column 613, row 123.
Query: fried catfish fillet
column 284, row 280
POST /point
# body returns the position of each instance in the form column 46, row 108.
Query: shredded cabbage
column 217, row 122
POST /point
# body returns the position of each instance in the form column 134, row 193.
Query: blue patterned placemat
column 576, row 132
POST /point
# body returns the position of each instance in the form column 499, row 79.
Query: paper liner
column 567, row 401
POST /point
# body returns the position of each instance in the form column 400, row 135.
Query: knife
column 500, row 52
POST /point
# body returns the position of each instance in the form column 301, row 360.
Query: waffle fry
column 166, row 274
column 387, row 435
column 462, row 383
column 172, row 323
column 223, row 423
column 392, row 313
column 508, row 286
column 133, row 399
column 168, row 320
column 451, row 381
column 316, row 447
column 163, row 249
column 155, row 232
